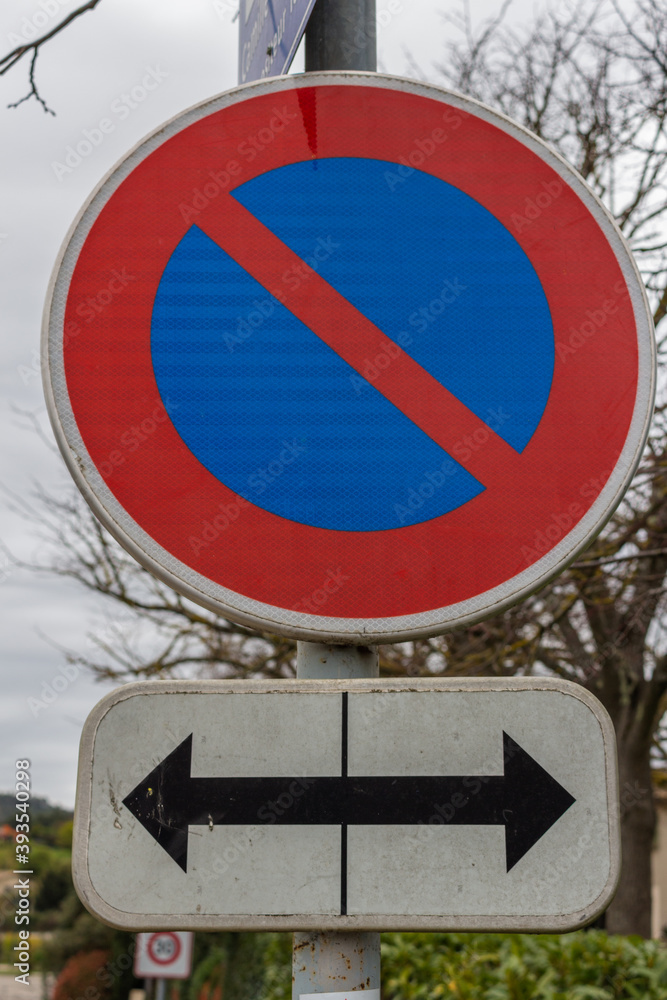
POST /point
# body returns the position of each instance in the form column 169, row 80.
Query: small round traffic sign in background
column 163, row 955
column 164, row 948
column 349, row 358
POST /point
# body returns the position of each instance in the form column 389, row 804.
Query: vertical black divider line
column 343, row 829
column 343, row 752
column 343, row 870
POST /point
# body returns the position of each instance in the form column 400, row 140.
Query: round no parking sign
column 349, row 358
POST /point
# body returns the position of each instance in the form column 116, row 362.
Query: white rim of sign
column 139, row 921
column 299, row 624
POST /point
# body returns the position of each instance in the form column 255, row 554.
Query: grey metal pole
column 320, row 662
column 341, row 35
column 325, row 962
column 335, row 963
column 160, row 989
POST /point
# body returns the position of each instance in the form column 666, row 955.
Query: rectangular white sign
column 420, row 804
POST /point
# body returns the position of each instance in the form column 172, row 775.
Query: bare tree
column 592, row 81
column 10, row 60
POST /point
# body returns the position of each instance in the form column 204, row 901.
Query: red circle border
column 244, row 549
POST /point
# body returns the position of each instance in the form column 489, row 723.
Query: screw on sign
column 401, row 358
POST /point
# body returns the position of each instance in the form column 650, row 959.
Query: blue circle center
column 280, row 418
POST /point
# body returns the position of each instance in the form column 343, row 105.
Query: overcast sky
column 190, row 46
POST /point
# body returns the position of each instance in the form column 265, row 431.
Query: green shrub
column 587, row 965
column 9, row 940
column 277, row 968
column 209, row 976
column 80, row 979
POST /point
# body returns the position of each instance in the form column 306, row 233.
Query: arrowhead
column 533, row 801
column 159, row 802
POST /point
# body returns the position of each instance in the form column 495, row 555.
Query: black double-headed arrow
column 526, row 800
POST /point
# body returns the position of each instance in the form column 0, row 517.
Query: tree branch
column 11, row 59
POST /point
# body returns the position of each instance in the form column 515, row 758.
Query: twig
column 604, row 560
column 11, row 59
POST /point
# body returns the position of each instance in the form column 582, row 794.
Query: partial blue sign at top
column 269, row 35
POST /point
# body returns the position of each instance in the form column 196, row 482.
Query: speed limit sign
column 163, row 955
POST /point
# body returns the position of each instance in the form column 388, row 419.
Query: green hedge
column 587, row 965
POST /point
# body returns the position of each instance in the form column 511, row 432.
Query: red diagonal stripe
column 352, row 336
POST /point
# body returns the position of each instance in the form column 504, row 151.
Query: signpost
column 356, row 433
column 269, row 35
column 381, row 365
column 363, row 804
